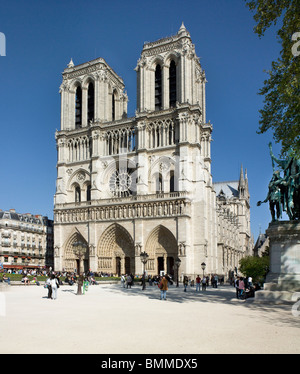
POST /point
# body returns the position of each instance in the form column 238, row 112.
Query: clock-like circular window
column 120, row 183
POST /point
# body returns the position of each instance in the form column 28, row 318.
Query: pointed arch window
column 158, row 88
column 172, row 84
column 77, row 195
column 113, row 106
column 88, row 193
column 173, row 182
column 159, row 184
column 91, row 102
column 78, row 107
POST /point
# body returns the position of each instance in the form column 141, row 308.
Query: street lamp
column 144, row 258
column 203, row 265
column 79, row 250
column 177, row 262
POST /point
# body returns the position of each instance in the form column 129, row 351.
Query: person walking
column 198, row 282
column 123, row 281
column 204, row 284
column 241, row 288
column 163, row 288
column 48, row 284
column 185, row 282
column 128, row 281
column 54, row 286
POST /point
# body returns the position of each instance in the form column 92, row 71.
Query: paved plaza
column 110, row 319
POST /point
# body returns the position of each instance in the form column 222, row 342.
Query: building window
column 158, row 88
column 172, row 84
column 88, row 193
column 159, row 184
column 91, row 102
column 77, row 195
column 78, row 108
column 113, row 106
column 172, row 182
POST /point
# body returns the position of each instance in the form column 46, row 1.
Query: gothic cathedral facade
column 143, row 184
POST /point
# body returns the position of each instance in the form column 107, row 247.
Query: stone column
column 284, row 239
column 283, row 280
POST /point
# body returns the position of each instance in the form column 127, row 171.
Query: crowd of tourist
column 243, row 285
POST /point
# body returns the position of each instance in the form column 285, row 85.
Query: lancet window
column 172, row 84
column 120, row 141
column 161, row 134
column 78, row 107
column 77, row 194
column 79, row 149
column 159, row 183
column 158, row 88
column 113, row 106
column 88, row 193
column 91, row 102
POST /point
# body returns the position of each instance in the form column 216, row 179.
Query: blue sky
column 41, row 38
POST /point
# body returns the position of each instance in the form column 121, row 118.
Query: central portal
column 161, row 247
column 116, row 251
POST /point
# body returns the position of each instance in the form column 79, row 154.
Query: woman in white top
column 54, row 286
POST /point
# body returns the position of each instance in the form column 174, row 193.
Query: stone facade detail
column 127, row 185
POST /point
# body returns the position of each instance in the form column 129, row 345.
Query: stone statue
column 284, row 191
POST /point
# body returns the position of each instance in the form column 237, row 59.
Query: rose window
column 120, row 183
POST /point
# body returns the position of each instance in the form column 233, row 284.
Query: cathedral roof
column 227, row 189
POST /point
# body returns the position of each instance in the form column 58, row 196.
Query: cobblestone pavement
column 109, row 319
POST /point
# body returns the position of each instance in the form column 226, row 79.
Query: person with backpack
column 241, row 288
column 163, row 286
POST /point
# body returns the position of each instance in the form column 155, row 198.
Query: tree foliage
column 281, row 91
column 256, row 267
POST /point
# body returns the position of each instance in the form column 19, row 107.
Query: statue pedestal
column 283, row 280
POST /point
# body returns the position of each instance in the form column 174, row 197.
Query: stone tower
column 129, row 185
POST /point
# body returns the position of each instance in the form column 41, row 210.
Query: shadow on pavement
column 221, row 295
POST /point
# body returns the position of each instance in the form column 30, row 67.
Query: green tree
column 281, row 91
column 256, row 267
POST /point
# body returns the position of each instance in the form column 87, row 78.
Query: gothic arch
column 74, row 84
column 162, row 249
column 116, row 251
column 156, row 60
column 87, row 80
column 80, row 177
column 164, row 166
column 71, row 260
column 172, row 56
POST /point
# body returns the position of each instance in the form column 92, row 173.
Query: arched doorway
column 73, row 261
column 116, row 251
column 162, row 249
